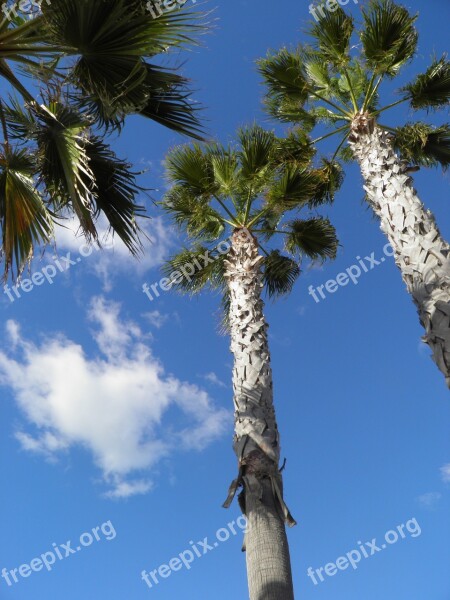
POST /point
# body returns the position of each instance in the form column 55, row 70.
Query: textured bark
column 420, row 252
column 256, row 440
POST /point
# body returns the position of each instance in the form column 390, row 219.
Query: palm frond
column 256, row 151
column 332, row 36
column 191, row 167
column 65, row 170
column 284, row 77
column 115, row 193
column 25, row 220
column 294, row 149
column 280, row 273
column 431, row 90
column 111, row 42
column 21, row 122
column 224, row 163
column 424, row 145
column 315, row 238
column 330, row 177
column 193, row 269
column 293, row 189
column 389, row 37
column 193, row 214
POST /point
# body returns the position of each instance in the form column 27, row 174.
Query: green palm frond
column 315, row 238
column 25, row 220
column 287, row 110
column 330, row 177
column 389, row 37
column 294, row 149
column 190, row 167
column 318, row 72
column 115, row 193
column 280, row 273
column 256, row 151
column 110, row 42
column 224, row 163
column 21, row 122
column 169, row 102
column 424, row 145
column 294, row 189
column 331, row 36
column 284, row 77
column 65, row 170
column 431, row 90
column 193, row 214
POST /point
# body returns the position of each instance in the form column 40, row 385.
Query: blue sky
column 117, row 410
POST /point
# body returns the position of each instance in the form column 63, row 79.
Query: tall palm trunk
column 420, row 252
column 256, row 440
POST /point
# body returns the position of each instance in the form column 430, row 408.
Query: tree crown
column 337, row 77
column 262, row 183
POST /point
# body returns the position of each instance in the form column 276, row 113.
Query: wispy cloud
column 213, row 378
column 115, row 403
column 429, row 500
column 445, row 473
column 155, row 318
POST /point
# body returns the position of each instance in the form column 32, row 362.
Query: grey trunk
column 420, row 252
column 256, row 440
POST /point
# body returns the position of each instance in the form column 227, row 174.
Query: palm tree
column 94, row 64
column 231, row 202
column 336, row 82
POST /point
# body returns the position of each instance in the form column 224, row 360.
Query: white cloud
column 429, row 500
column 114, row 257
column 445, row 473
column 113, row 404
column 125, row 489
column 156, row 318
column 212, row 378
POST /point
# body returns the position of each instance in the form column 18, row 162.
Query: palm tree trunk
column 420, row 252
column 256, row 440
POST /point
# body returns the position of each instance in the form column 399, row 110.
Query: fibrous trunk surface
column 256, row 440
column 420, row 252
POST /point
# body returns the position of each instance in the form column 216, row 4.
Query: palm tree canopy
column 334, row 79
column 95, row 63
column 261, row 183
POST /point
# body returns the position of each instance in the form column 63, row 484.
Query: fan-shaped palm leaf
column 280, row 273
column 315, row 238
column 423, row 144
column 25, row 220
column 389, row 37
column 431, row 89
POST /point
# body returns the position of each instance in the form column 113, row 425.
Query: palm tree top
column 259, row 184
column 95, row 63
column 335, row 80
